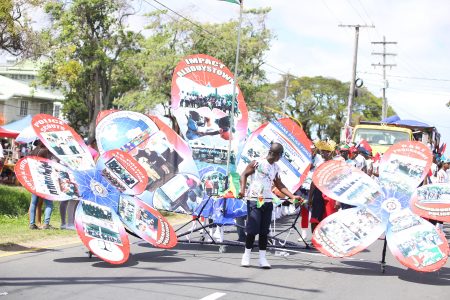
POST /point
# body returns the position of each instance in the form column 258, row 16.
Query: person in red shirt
column 321, row 205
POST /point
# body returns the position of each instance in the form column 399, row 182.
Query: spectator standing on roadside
column 40, row 151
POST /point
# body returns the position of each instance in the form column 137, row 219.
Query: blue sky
column 310, row 42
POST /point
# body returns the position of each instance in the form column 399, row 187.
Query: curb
column 6, row 254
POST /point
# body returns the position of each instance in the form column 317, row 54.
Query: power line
column 28, row 108
column 178, row 14
column 205, row 30
column 421, row 118
column 365, row 11
column 411, row 68
column 353, row 7
column 384, row 65
column 396, row 83
column 427, row 92
column 331, row 12
column 408, row 77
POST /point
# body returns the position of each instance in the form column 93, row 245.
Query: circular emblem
column 98, row 188
column 391, row 205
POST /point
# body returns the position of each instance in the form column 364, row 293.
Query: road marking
column 213, row 296
column 3, row 293
column 18, row 252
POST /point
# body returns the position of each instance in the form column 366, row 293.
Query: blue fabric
column 411, row 123
column 222, row 213
column 19, row 125
column 191, row 133
column 391, row 119
column 395, row 120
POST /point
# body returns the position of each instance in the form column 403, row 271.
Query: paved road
column 192, row 271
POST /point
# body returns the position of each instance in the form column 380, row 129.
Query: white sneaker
column 263, row 263
column 304, row 235
column 218, row 234
column 245, row 262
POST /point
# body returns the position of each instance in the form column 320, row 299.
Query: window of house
column 46, row 108
column 23, row 107
column 57, row 111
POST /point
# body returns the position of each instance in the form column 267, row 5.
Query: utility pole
column 233, row 108
column 351, row 93
column 384, row 108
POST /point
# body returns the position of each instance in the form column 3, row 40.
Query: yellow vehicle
column 380, row 136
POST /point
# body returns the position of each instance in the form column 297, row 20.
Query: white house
column 19, row 97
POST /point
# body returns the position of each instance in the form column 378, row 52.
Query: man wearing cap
column 360, row 160
column 264, row 174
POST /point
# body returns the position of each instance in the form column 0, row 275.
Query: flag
column 442, row 148
column 233, row 1
column 234, row 185
column 259, row 202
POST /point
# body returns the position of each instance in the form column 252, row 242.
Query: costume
column 322, row 206
column 259, row 209
column 259, row 218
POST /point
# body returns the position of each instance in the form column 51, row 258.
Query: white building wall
column 11, row 111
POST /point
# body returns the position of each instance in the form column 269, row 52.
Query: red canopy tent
column 8, row 134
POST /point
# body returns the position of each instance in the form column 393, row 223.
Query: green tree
column 89, row 42
column 170, row 40
column 320, row 104
column 16, row 34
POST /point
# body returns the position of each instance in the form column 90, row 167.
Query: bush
column 14, row 201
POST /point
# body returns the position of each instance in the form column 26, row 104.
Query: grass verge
column 15, row 234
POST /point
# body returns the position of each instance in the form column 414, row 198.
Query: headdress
column 344, row 147
column 328, row 145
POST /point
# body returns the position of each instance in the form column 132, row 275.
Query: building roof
column 10, row 88
column 13, row 66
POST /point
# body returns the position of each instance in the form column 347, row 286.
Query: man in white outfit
column 264, row 174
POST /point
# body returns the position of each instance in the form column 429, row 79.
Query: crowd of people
column 256, row 186
column 223, row 103
column 67, row 208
